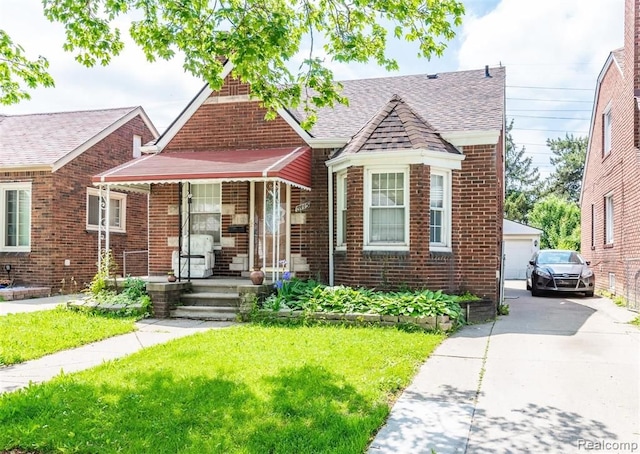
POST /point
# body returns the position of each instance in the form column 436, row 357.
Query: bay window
column 440, row 211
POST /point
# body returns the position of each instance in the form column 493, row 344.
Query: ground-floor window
column 203, row 216
column 15, row 209
column 387, row 208
column 117, row 210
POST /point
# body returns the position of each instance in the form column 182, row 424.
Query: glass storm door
column 270, row 225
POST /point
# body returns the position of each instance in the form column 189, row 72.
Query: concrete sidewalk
column 557, row 375
column 150, row 332
column 34, row 304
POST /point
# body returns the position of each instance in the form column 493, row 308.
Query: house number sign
column 302, row 207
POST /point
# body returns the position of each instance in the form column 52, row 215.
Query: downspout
column 330, row 206
column 179, row 270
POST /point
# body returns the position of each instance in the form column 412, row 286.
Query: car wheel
column 528, row 286
column 588, row 294
column 534, row 290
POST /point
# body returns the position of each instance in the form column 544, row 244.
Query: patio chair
column 200, row 255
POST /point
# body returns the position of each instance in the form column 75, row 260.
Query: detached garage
column 520, row 242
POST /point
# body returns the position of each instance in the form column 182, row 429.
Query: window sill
column 444, row 249
column 386, row 248
column 385, row 253
column 608, row 246
column 92, row 230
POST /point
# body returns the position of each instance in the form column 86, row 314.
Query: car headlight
column 587, row 273
column 543, row 273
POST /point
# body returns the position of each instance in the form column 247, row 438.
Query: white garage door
column 517, row 255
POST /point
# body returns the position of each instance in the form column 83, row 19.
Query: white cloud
column 546, row 43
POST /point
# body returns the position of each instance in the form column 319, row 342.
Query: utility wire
column 550, row 88
column 548, row 100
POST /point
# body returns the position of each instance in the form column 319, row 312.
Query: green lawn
column 244, row 389
column 31, row 335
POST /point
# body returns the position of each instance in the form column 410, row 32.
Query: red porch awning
column 289, row 165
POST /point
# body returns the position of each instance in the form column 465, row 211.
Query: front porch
column 215, row 298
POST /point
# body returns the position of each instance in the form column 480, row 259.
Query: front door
column 271, row 226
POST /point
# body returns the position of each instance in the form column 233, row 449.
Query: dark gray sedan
column 555, row 270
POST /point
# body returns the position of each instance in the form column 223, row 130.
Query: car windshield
column 552, row 257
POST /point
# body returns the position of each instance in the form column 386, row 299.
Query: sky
column 553, row 51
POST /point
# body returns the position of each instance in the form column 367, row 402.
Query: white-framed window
column 387, row 208
column 606, row 131
column 440, row 211
column 117, row 210
column 612, row 282
column 137, row 146
column 15, row 213
column 206, row 209
column 341, row 189
column 608, row 219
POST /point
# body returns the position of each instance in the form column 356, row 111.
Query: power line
column 550, row 130
column 550, row 118
column 550, row 88
column 548, row 110
column 548, row 100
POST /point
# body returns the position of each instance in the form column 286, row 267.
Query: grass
column 636, row 321
column 244, row 389
column 32, row 335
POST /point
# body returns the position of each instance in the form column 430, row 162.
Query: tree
column 521, row 181
column 568, row 160
column 260, row 37
column 559, row 220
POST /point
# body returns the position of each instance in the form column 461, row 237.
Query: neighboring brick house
column 404, row 187
column 49, row 208
column 610, row 200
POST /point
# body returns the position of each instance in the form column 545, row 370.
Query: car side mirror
column 531, row 262
column 588, row 262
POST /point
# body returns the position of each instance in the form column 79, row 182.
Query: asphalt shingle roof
column 397, row 126
column 452, row 101
column 43, row 139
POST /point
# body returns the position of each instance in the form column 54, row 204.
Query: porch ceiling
column 289, row 165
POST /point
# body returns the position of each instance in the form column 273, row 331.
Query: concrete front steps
column 209, row 300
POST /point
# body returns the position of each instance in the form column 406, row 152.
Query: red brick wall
column 238, row 125
column 58, row 217
column 616, row 173
column 476, row 233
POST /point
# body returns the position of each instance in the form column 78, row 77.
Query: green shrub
column 312, row 296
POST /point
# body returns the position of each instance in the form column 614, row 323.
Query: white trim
column 191, row 109
column 138, row 111
column 122, row 197
column 607, row 133
column 384, row 246
column 609, row 224
column 14, row 186
column 293, row 123
column 252, row 225
column 265, row 172
column 443, row 246
column 228, row 99
column 398, row 157
column 341, row 187
column 477, row 137
column 205, row 180
column 328, row 142
column 330, row 196
column 610, row 60
column 27, row 168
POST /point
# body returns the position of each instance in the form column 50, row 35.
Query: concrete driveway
column 558, row 375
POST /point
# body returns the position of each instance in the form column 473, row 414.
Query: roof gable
column 454, row 102
column 50, row 140
column 397, row 127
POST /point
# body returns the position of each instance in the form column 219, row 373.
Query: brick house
column 49, row 208
column 404, row 187
column 610, row 199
